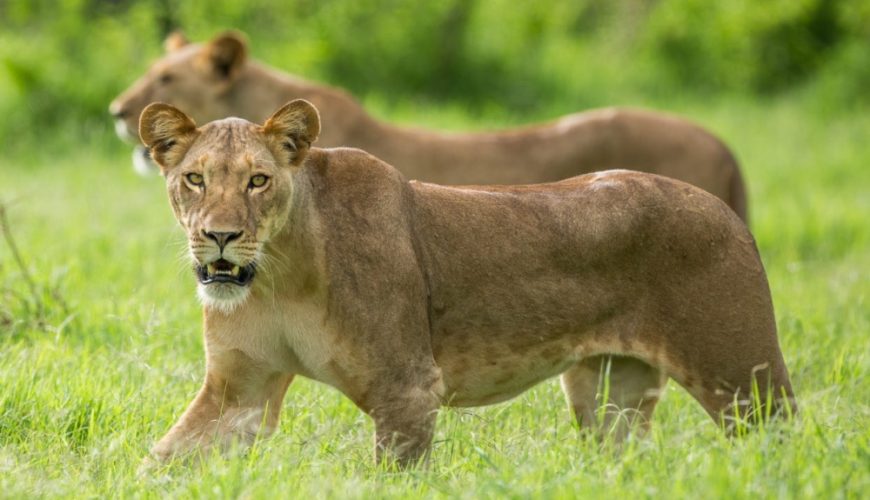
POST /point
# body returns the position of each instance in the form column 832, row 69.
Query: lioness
column 406, row 296
column 216, row 79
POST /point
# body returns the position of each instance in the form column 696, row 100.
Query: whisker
column 268, row 269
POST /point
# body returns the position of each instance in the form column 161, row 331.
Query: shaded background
column 497, row 61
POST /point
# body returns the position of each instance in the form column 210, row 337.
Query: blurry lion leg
column 613, row 395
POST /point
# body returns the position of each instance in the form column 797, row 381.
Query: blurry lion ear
column 167, row 132
column 175, row 41
column 292, row 130
column 226, row 54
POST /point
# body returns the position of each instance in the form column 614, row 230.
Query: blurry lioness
column 406, row 296
column 216, row 80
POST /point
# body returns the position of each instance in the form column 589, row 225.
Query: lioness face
column 230, row 201
column 230, row 185
column 195, row 78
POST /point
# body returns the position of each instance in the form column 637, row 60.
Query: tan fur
column 406, row 296
column 215, row 80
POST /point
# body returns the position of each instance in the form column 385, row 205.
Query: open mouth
column 224, row 271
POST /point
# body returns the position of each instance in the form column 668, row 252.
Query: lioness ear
column 167, row 132
column 226, row 54
column 292, row 130
column 175, row 41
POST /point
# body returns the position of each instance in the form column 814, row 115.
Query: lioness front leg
column 238, row 401
column 404, row 424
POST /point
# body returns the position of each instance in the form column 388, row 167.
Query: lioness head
column 230, row 185
column 196, row 78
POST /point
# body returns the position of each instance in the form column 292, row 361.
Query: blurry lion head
column 197, row 78
column 230, row 185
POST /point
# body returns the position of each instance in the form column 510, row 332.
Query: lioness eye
column 165, row 78
column 258, row 180
column 194, row 179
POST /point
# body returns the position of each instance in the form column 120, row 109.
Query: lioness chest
column 285, row 337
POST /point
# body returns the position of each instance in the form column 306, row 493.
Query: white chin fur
column 123, row 132
column 223, row 297
column 142, row 163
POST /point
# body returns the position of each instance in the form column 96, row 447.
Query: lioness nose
column 222, row 238
column 117, row 111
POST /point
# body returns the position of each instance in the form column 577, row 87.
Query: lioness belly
column 475, row 377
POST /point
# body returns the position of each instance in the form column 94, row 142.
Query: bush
column 747, row 46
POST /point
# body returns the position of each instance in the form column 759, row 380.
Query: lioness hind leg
column 612, row 395
column 745, row 398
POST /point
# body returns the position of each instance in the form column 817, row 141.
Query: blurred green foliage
column 61, row 62
column 750, row 46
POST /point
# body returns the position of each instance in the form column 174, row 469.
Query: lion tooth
column 211, row 269
column 236, row 270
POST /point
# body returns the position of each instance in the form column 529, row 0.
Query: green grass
column 88, row 384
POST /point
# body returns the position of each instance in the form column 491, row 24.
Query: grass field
column 102, row 363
